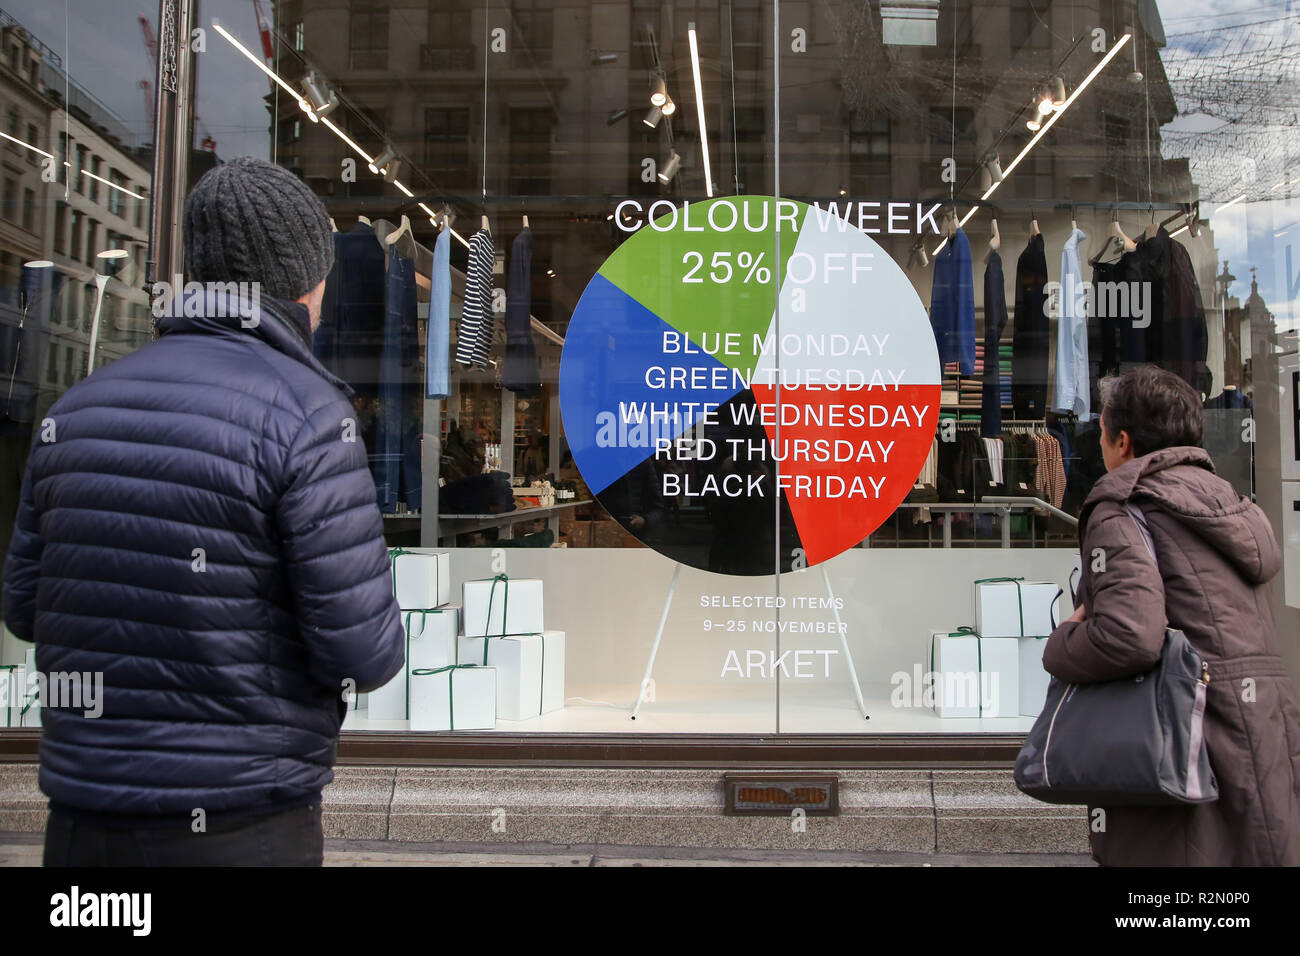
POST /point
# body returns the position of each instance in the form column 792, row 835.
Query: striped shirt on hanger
column 477, row 325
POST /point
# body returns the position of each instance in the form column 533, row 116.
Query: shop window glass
column 624, row 283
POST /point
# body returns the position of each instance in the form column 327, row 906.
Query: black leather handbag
column 1137, row 741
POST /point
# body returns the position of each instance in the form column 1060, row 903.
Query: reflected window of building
column 869, row 158
column 533, row 20
column 746, row 35
column 368, row 34
column 1028, row 27
column 450, row 45
column 530, row 151
column 446, row 145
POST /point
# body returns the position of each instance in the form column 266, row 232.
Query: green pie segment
column 719, row 258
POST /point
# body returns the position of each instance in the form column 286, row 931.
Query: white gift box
column 1014, row 608
column 530, row 671
column 975, row 676
column 1033, row 678
column 456, row 697
column 421, row 578
column 485, row 602
column 430, row 643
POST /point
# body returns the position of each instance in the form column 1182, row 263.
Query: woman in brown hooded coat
column 1215, row 553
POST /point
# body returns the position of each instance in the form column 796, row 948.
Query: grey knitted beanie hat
column 248, row 220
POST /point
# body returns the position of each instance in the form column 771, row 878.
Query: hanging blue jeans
column 396, row 410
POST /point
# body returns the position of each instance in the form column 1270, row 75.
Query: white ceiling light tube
column 256, row 61
column 699, row 106
column 328, row 124
column 252, row 58
column 1059, row 112
column 964, row 219
column 34, row 149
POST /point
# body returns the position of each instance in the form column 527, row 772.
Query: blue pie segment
column 628, row 386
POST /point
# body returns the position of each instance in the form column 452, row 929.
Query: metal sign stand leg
column 659, row 636
column 844, row 643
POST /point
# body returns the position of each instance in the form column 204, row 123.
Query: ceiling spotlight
column 652, row 118
column 323, row 100
column 994, row 166
column 600, row 59
column 1056, row 87
column 670, row 168
column 306, row 108
column 615, row 116
column 379, row 162
column 390, row 171
column 1045, row 104
column 986, row 178
column 1033, row 124
column 669, row 107
column 658, row 92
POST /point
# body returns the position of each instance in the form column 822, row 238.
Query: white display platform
column 698, row 709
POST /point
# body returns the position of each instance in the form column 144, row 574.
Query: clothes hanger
column 333, row 225
column 1095, row 260
column 995, row 242
column 1117, row 232
column 1153, row 228
column 484, row 225
column 364, row 220
column 403, row 230
column 1033, row 224
column 525, row 220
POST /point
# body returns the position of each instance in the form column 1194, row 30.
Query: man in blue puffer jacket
column 198, row 529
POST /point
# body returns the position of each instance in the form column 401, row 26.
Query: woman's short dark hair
column 1157, row 409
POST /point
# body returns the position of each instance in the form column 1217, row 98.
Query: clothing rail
column 1035, row 503
column 989, row 504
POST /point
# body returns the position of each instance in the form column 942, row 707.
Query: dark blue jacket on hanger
column 952, row 304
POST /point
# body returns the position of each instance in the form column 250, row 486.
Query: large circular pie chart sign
column 738, row 413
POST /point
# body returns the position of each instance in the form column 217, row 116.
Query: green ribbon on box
column 393, row 555
column 505, row 608
column 451, row 691
column 966, row 631
column 1020, row 600
column 424, row 613
column 504, row 580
